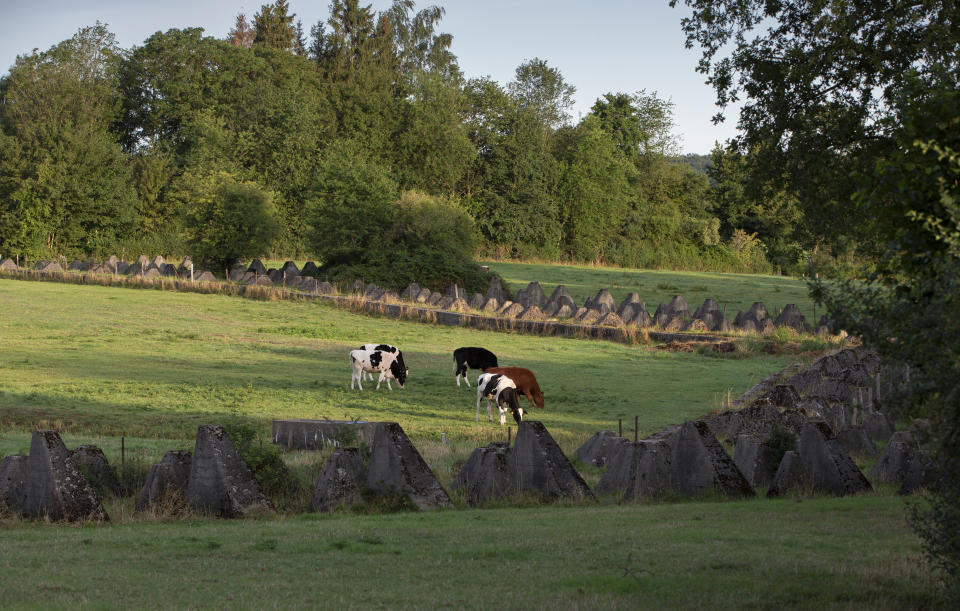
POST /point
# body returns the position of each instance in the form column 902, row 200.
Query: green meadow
column 105, row 363
column 733, row 291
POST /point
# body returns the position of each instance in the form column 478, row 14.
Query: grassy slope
column 852, row 552
column 153, row 364
column 735, row 291
column 99, row 361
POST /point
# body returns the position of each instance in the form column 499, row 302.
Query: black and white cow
column 503, row 392
column 384, row 348
column 377, row 361
column 475, row 358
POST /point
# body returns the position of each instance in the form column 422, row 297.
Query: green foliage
column 229, row 220
column 264, row 459
column 817, row 80
column 353, row 207
column 907, row 307
column 595, row 189
column 780, row 442
column 273, row 26
column 542, row 91
column 65, row 185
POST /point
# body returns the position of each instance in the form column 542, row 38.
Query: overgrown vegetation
column 851, row 117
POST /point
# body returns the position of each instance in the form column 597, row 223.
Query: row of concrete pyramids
column 833, row 419
column 142, row 267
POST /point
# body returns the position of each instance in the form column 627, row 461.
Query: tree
column 817, row 79
column 541, row 90
column 640, row 124
column 840, row 90
column 595, row 189
column 242, row 34
column 273, row 26
column 65, row 184
column 206, row 105
column 353, row 205
column 230, row 220
column 299, row 42
column 907, row 308
column 432, row 148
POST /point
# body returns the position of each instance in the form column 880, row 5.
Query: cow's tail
column 455, row 363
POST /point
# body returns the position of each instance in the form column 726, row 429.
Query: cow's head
column 399, row 372
column 509, row 400
column 538, row 398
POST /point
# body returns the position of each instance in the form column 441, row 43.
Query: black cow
column 474, row 358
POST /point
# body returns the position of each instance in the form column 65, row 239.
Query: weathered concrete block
column 486, row 475
column 756, row 460
column 96, row 468
column 54, row 486
column 166, row 482
column 342, row 482
column 600, row 448
column 639, row 470
column 257, row 267
column 538, row 465
column 699, row 463
column 828, row 465
column 13, row 475
column 316, row 434
column 791, row 475
column 854, row 439
column 220, row 480
column 396, row 468
column 877, row 426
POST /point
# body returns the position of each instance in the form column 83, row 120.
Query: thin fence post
column 123, row 451
column 509, row 435
column 619, row 427
column 636, row 427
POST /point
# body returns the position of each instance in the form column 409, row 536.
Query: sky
column 600, row 46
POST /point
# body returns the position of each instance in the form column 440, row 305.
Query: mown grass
column 734, row 291
column 850, row 552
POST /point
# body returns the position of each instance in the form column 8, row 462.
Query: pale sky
column 599, row 46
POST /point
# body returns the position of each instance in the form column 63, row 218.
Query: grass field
column 734, row 291
column 100, row 362
column 819, row 553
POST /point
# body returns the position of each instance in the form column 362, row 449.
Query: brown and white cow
column 525, row 380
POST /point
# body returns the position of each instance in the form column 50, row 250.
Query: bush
column 266, row 463
column 229, row 220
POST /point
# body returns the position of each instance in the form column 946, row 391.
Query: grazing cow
column 385, row 363
column 503, row 392
column 525, row 380
column 384, row 348
column 475, row 358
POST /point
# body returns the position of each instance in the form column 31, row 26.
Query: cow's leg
column 503, row 415
column 387, row 378
column 479, row 396
column 529, row 396
column 489, row 410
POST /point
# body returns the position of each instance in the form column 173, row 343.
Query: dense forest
column 360, row 137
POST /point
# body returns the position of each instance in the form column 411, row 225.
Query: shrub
column 229, row 220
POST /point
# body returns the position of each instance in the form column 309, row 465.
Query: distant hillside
column 700, row 163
